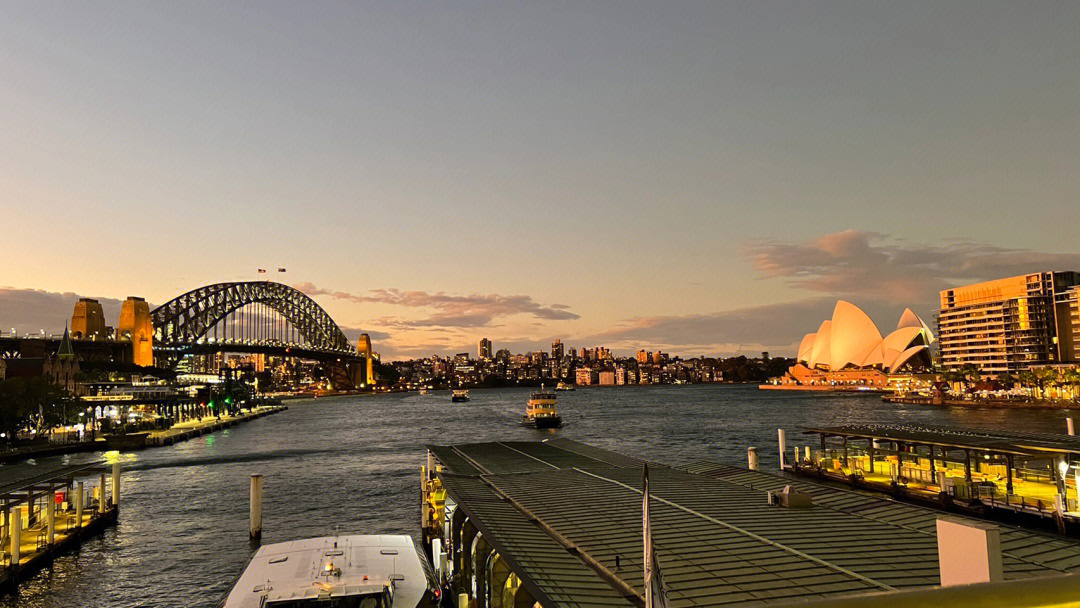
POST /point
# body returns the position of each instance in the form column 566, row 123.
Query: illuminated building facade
column 484, row 349
column 557, row 350
column 1008, row 325
column 137, row 327
column 88, row 320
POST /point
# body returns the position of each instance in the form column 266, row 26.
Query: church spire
column 65, row 351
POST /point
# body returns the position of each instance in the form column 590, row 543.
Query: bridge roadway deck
column 567, row 519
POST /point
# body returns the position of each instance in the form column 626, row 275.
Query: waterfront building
column 607, row 377
column 1008, row 325
column 584, row 376
column 484, row 349
column 848, row 350
column 620, row 376
column 88, row 320
column 137, row 327
column 1070, row 339
column 643, row 356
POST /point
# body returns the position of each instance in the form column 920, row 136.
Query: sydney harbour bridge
column 257, row 317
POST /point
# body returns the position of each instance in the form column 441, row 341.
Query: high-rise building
column 1008, row 325
column 88, row 320
column 643, row 356
column 484, row 349
column 1069, row 311
column 557, row 350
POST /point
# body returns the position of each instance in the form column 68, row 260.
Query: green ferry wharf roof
column 560, row 512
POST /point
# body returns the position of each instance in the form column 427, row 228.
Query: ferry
column 540, row 413
column 562, row 386
column 357, row 571
column 460, row 395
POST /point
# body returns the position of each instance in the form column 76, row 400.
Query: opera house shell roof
column 850, row 340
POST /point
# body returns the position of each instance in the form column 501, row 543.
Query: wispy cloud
column 775, row 327
column 477, row 310
column 873, row 266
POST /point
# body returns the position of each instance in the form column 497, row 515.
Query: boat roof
column 296, row 570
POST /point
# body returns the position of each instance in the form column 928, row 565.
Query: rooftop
column 560, row 512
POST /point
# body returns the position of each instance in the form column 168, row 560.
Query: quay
column 1011, row 475
column 559, row 523
column 48, row 513
column 194, row 428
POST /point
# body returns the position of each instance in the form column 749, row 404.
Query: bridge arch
column 186, row 319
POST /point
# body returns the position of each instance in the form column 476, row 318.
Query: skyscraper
column 484, row 349
column 557, row 350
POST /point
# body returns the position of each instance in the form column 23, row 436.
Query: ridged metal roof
column 560, row 512
column 1006, row 442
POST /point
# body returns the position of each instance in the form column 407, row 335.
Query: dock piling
column 16, row 535
column 783, row 446
column 80, row 494
column 116, row 484
column 102, row 507
column 50, row 518
column 255, row 525
column 1069, row 425
column 463, row 600
column 751, row 458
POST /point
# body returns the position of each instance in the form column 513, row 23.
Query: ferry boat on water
column 541, row 412
column 357, row 571
column 562, row 386
column 459, row 396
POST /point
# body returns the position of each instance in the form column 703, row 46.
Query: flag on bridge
column 281, row 270
column 262, row 271
column 655, row 590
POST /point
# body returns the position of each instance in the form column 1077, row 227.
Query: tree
column 1046, row 377
column 33, row 403
column 1071, row 378
column 1028, row 379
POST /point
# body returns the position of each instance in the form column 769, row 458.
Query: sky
column 702, row 178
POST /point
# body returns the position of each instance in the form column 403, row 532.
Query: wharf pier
column 559, row 523
column 48, row 513
column 194, row 428
column 1013, row 476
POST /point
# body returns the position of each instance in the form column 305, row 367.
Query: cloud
column 873, row 266
column 30, row 310
column 774, row 327
column 477, row 310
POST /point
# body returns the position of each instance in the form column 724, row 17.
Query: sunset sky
column 696, row 177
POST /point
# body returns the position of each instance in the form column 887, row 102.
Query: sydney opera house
column 848, row 350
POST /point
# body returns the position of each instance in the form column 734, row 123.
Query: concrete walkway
column 187, row 429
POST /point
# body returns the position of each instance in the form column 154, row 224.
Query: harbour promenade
column 208, row 424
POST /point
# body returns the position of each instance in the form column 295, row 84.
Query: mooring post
column 463, row 600
column 101, row 490
column 16, row 535
column 79, row 496
column 751, row 458
column 1069, row 425
column 783, row 446
column 116, row 484
column 255, row 525
column 50, row 518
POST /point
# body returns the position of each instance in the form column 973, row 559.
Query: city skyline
column 432, row 175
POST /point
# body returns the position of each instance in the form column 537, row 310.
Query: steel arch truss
column 184, row 320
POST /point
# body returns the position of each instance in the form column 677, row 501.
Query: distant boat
column 562, row 386
column 541, row 411
column 460, row 395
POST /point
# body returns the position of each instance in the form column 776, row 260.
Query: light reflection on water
column 352, row 465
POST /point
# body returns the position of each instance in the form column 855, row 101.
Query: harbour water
column 351, row 464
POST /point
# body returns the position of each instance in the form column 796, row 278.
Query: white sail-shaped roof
column 910, row 319
column 805, row 348
column 853, row 333
column 897, row 342
column 819, row 354
column 915, row 352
